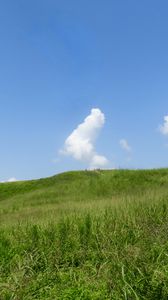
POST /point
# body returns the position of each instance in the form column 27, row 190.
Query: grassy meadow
column 85, row 235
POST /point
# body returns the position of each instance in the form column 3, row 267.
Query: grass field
column 85, row 235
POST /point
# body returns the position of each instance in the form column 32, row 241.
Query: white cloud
column 124, row 145
column 80, row 143
column 98, row 161
column 164, row 128
column 12, row 179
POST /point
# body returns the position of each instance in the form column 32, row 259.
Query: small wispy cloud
column 164, row 128
column 80, row 144
column 12, row 179
column 125, row 145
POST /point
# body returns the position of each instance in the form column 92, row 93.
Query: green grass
column 85, row 235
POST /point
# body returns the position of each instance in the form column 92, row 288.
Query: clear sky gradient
column 59, row 59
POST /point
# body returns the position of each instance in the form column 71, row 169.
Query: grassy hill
column 85, row 235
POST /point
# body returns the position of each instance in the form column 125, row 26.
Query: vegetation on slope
column 85, row 235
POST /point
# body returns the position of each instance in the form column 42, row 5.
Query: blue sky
column 60, row 59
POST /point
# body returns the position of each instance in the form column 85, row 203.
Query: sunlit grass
column 85, row 235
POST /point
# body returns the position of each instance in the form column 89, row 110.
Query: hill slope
column 32, row 200
column 85, row 235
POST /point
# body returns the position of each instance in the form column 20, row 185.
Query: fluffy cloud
column 124, row 145
column 164, row 128
column 80, row 143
